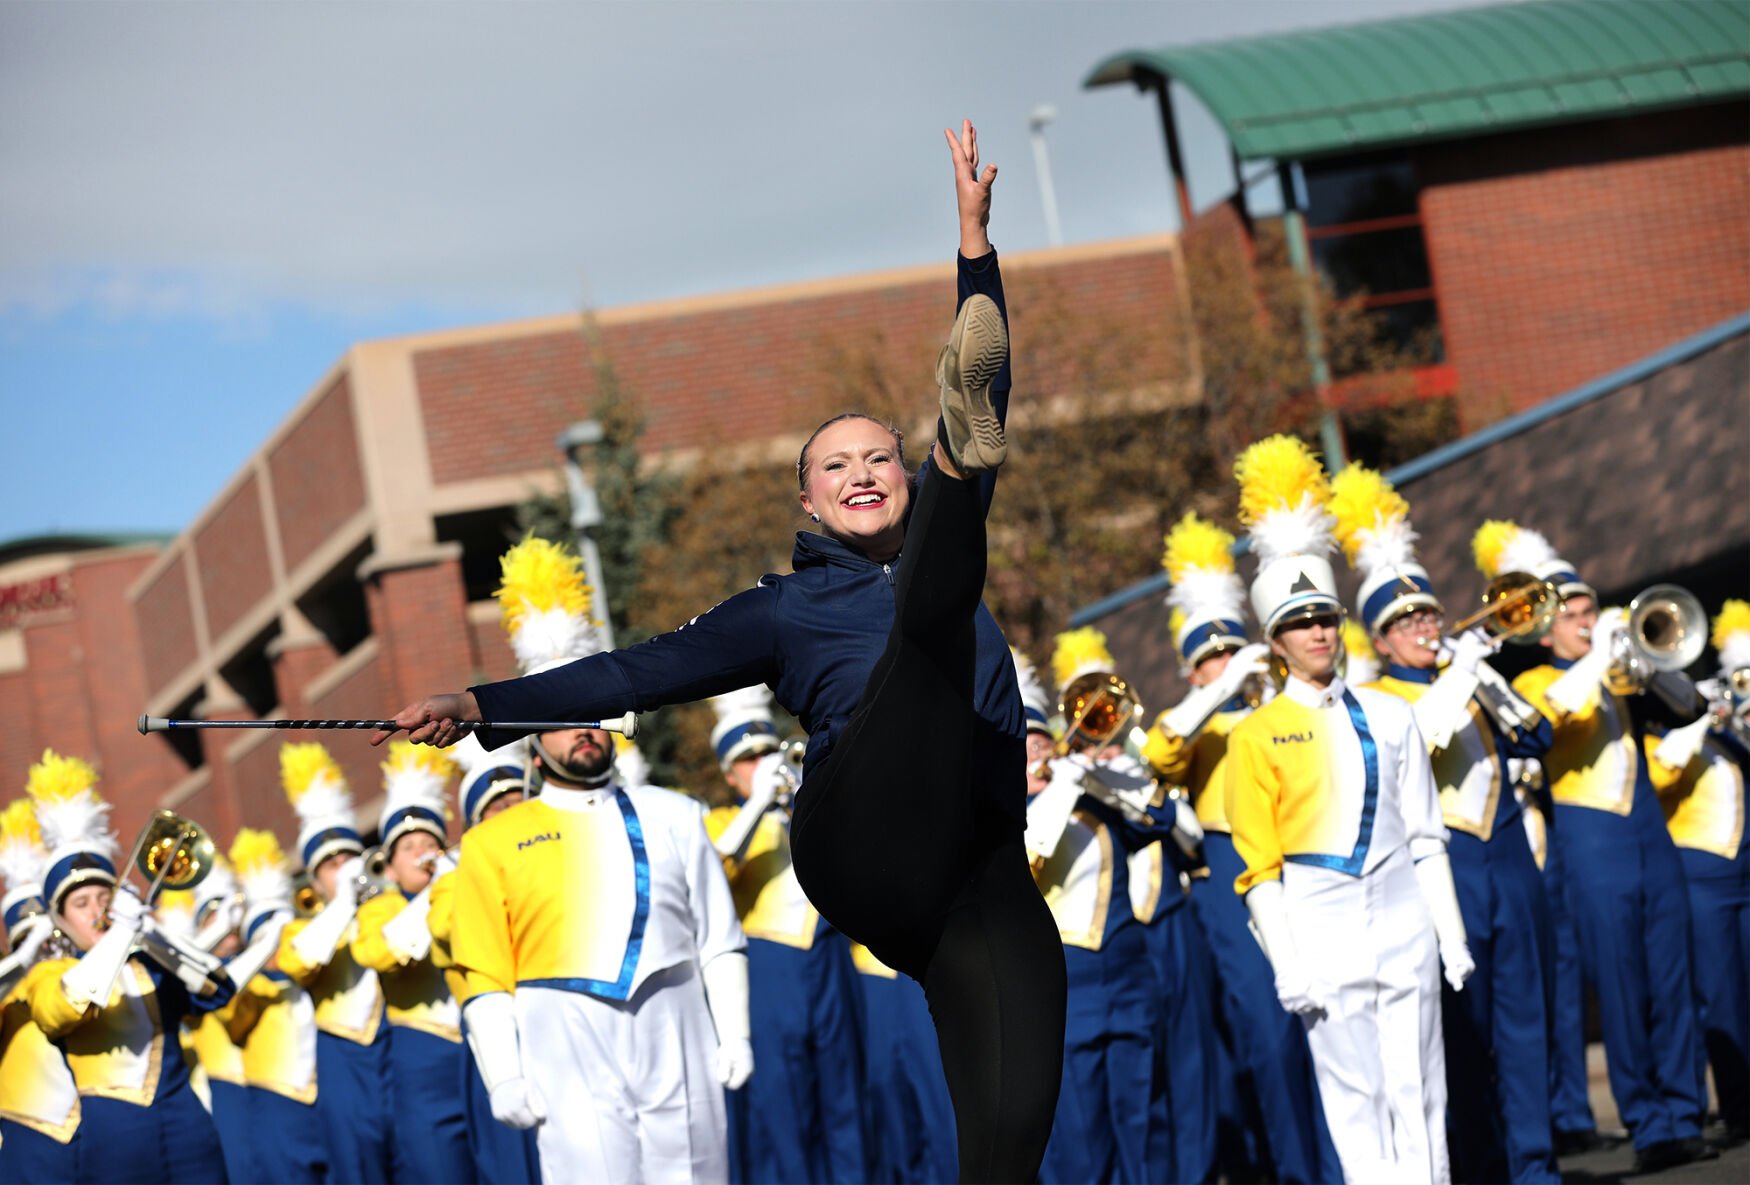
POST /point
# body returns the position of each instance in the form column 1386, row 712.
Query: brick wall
column 1560, row 254
column 317, row 481
column 255, row 777
column 732, row 374
column 167, row 641
column 418, row 616
column 231, row 556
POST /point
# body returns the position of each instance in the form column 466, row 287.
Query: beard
column 586, row 761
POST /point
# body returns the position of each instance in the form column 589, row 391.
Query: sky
column 203, row 205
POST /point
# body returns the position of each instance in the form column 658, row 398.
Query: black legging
column 897, row 848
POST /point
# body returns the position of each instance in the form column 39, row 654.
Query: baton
column 626, row 726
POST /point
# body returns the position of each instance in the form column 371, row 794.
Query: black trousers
column 895, row 845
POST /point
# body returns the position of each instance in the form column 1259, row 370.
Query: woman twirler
column 878, row 643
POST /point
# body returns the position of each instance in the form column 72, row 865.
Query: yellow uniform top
column 768, row 898
column 590, row 891
column 1199, row 765
column 214, row 1050
column 1467, row 771
column 1703, row 801
column 1593, row 761
column 1334, row 777
column 441, row 920
column 414, row 992
column 116, row 1051
column 36, row 1086
column 348, row 997
column 276, row 1026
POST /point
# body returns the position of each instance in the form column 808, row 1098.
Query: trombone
column 1517, row 607
column 1096, row 707
column 172, row 852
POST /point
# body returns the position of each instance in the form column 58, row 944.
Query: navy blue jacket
column 813, row 636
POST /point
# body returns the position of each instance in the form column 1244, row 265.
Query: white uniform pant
column 631, row 1089
column 1381, row 1066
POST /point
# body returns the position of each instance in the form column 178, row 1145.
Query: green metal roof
column 1476, row 71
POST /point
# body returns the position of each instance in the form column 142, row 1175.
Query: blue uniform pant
column 286, row 1140
column 168, row 1143
column 912, row 1141
column 501, row 1155
column 801, row 1115
column 430, row 1135
column 1185, row 1056
column 1269, row 1044
column 1631, row 913
column 1719, row 908
column 352, row 1085
column 1101, row 1132
column 1570, row 1097
column 27, row 1157
column 1497, row 1030
column 231, row 1118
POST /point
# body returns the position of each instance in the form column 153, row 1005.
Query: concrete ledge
column 437, row 553
column 350, row 664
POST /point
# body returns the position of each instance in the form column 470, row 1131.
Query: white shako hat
column 487, row 775
column 1035, row 700
column 744, row 725
column 75, row 826
column 416, row 782
column 1731, row 635
column 265, row 876
column 1206, row 597
column 317, row 790
column 1373, row 526
column 1283, row 491
column 1502, row 546
column 23, row 860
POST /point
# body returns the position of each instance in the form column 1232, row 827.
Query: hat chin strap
column 553, row 771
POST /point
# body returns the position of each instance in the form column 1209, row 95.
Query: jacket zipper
column 887, row 571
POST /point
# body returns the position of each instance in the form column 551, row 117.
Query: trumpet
column 1097, row 708
column 1667, row 630
column 306, row 902
column 373, row 878
column 428, row 863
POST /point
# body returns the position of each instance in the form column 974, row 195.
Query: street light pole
column 586, row 514
column 1043, row 115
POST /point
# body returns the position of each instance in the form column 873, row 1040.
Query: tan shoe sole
column 977, row 348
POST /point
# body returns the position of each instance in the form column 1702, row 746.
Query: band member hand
column 734, row 1063
column 433, row 720
column 1456, row 961
column 1469, row 650
column 516, row 1103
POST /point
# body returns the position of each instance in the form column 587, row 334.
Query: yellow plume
column 18, row 823
column 1196, row 543
column 1362, row 500
column 405, row 757
column 57, row 779
column 1274, row 474
column 1734, row 616
column 538, row 576
column 1355, row 639
column 1175, row 620
column 1490, row 542
column 1079, row 650
column 254, row 849
column 303, row 764
column 176, row 901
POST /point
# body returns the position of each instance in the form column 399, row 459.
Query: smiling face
column 854, row 481
column 1309, row 646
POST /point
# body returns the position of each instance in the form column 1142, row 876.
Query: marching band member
column 274, row 1021
column 116, row 1010
column 491, row 782
column 1335, row 813
column 214, row 912
column 393, row 939
column 800, row 1118
column 1699, row 771
column 606, row 979
column 1187, row 746
column 875, row 653
column 39, row 1101
column 911, row 1117
column 1497, row 1031
column 1624, row 880
column 352, row 1042
column 1111, row 1109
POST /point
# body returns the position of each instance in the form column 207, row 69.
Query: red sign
column 21, row 600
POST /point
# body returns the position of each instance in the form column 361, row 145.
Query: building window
column 1365, row 233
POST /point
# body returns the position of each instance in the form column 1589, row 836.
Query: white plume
column 1208, row 591
column 22, row 863
column 81, row 820
column 552, row 636
column 1525, row 551
column 1386, row 548
column 1303, row 529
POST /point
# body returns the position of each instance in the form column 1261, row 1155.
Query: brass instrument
column 1097, row 708
column 1667, row 630
column 172, row 852
column 1517, row 607
column 306, row 902
column 428, row 862
column 373, row 878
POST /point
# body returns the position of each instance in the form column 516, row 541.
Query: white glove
column 317, row 942
column 726, row 995
column 247, row 963
column 29, row 936
column 1187, row 831
column 1246, row 662
column 1579, row 686
column 92, row 978
column 497, row 1046
column 1295, row 987
column 1469, row 650
column 226, row 918
column 762, row 795
column 1445, row 707
column 201, row 972
column 1049, row 810
column 1125, row 783
column 1193, row 712
column 1681, row 745
column 1434, row 874
column 408, row 933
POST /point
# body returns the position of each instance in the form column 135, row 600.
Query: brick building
column 347, row 567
